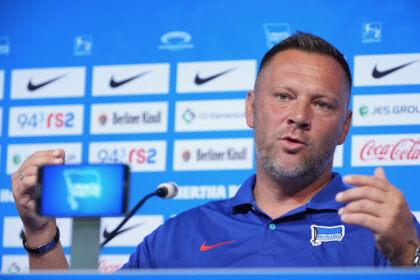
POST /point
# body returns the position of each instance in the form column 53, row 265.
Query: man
column 294, row 211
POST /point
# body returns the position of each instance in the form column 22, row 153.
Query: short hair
column 308, row 43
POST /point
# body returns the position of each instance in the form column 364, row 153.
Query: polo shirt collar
column 323, row 200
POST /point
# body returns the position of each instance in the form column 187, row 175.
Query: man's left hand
column 379, row 206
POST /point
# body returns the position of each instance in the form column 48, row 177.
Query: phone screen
column 85, row 190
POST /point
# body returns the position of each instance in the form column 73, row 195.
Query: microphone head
column 167, row 190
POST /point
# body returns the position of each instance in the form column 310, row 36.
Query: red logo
column 404, row 149
column 204, row 247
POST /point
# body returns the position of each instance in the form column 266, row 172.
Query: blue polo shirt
column 235, row 233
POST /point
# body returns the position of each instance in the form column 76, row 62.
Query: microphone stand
column 161, row 192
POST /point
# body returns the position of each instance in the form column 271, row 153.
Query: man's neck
column 277, row 198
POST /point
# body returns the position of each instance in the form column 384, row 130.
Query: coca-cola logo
column 106, row 267
column 404, row 149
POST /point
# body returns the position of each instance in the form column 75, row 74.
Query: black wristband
column 44, row 248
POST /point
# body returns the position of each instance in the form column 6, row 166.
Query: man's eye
column 323, row 105
column 283, row 96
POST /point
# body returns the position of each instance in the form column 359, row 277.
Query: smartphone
column 83, row 190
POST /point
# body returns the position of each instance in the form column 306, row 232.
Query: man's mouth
column 294, row 140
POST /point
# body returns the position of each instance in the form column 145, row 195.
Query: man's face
column 299, row 114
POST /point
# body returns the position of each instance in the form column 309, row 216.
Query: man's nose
column 299, row 116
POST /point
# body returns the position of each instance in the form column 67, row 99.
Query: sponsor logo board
column 417, row 215
column 385, row 150
column 46, row 120
column 111, row 263
column 213, row 154
column 6, row 196
column 133, row 232
column 118, row 118
column 230, row 75
column 338, row 156
column 14, row 264
column 387, row 70
column 17, row 264
column 48, row 82
column 13, row 229
column 386, row 109
column 1, row 84
column 210, row 115
column 18, row 153
column 1, row 120
column 142, row 156
column 206, row 192
column 130, row 79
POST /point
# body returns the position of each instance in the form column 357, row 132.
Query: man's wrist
column 48, row 246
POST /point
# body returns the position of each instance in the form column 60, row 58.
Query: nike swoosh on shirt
column 106, row 234
column 32, row 87
column 115, row 84
column 379, row 74
column 204, row 247
column 199, row 80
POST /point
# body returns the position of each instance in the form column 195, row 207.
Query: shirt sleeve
column 138, row 259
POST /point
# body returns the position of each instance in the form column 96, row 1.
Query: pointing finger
column 379, row 173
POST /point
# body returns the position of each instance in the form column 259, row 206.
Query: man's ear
column 346, row 128
column 249, row 108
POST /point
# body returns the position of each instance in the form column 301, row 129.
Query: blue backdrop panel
column 81, row 43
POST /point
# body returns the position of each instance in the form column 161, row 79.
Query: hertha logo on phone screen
column 142, row 156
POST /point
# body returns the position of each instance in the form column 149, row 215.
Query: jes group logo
column 386, row 109
column 142, row 156
column 46, row 120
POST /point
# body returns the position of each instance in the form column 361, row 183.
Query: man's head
column 299, row 109
column 308, row 43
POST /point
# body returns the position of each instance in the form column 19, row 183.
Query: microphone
column 164, row 190
column 167, row 190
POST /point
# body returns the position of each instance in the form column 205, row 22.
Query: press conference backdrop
column 160, row 85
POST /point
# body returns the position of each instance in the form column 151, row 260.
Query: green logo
column 16, row 159
column 188, row 116
column 363, row 110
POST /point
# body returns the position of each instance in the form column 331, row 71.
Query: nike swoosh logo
column 379, row 74
column 32, row 87
column 106, row 234
column 199, row 81
column 204, row 247
column 115, row 84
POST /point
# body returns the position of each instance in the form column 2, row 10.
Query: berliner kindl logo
column 326, row 234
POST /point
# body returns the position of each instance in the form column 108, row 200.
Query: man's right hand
column 38, row 230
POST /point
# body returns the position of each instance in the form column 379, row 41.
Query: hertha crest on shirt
column 326, row 234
